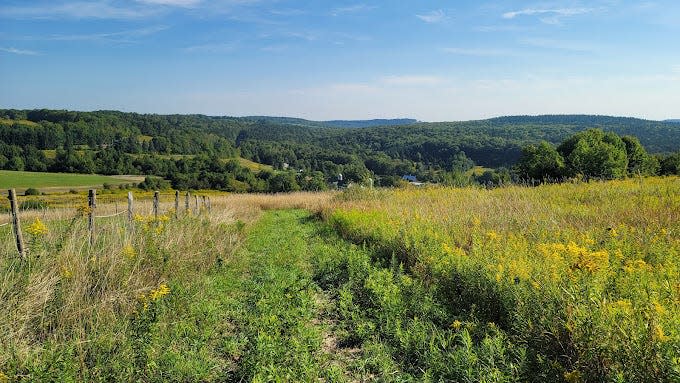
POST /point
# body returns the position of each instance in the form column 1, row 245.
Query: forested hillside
column 193, row 151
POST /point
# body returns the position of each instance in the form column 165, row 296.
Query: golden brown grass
column 67, row 291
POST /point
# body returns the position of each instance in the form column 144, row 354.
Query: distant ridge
column 369, row 123
column 334, row 123
column 673, row 121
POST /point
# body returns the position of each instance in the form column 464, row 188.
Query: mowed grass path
column 264, row 316
column 23, row 180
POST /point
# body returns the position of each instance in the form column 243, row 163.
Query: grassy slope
column 23, row 180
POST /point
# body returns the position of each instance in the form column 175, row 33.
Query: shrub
column 154, row 183
column 32, row 191
column 33, row 204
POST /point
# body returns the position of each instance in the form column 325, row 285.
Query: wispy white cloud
column 129, row 36
column 352, row 9
column 549, row 16
column 173, row 3
column 500, row 28
column 304, row 35
column 436, row 16
column 76, row 10
column 274, row 48
column 412, row 80
column 477, row 52
column 211, row 48
column 536, row 11
column 23, row 52
column 566, row 45
column 288, row 12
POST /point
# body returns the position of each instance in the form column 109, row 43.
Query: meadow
column 556, row 283
column 61, row 181
column 571, row 282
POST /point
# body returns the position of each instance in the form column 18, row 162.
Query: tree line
column 192, row 151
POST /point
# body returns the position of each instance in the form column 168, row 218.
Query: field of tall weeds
column 581, row 281
column 71, row 311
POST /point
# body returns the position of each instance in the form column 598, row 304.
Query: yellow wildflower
column 659, row 309
column 37, row 228
column 83, row 210
column 65, row 272
column 659, row 334
column 492, row 235
column 456, row 325
column 160, row 292
column 129, row 251
column 623, row 305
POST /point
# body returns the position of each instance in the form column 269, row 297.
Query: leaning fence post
column 91, row 204
column 186, row 204
column 17, row 224
column 155, row 205
column 130, row 208
column 176, row 204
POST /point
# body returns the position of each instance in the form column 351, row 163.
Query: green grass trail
column 262, row 316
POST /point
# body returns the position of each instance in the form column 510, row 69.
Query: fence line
column 105, row 203
column 110, row 215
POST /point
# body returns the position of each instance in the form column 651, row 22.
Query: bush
column 32, row 191
column 154, row 183
column 33, row 204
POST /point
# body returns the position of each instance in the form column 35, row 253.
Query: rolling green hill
column 187, row 149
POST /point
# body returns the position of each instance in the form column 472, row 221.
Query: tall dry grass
column 68, row 295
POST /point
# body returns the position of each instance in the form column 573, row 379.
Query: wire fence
column 144, row 206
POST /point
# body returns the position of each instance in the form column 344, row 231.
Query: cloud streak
column 75, row 10
column 129, row 36
column 433, row 17
column 412, row 80
column 352, row 9
column 558, row 12
column 477, row 52
column 23, row 52
column 173, row 3
column 211, row 48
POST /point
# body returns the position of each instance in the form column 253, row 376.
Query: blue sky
column 430, row 60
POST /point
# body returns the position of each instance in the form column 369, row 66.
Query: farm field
column 558, row 283
column 59, row 181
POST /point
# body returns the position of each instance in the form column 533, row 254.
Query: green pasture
column 23, row 180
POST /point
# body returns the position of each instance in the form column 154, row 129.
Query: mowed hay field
column 571, row 282
column 62, row 181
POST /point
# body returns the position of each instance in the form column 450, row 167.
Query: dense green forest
column 193, row 151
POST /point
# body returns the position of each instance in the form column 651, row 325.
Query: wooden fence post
column 155, row 205
column 176, row 204
column 205, row 204
column 196, row 204
column 209, row 205
column 186, row 204
column 130, row 207
column 92, row 205
column 17, row 224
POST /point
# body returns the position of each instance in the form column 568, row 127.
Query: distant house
column 412, row 180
